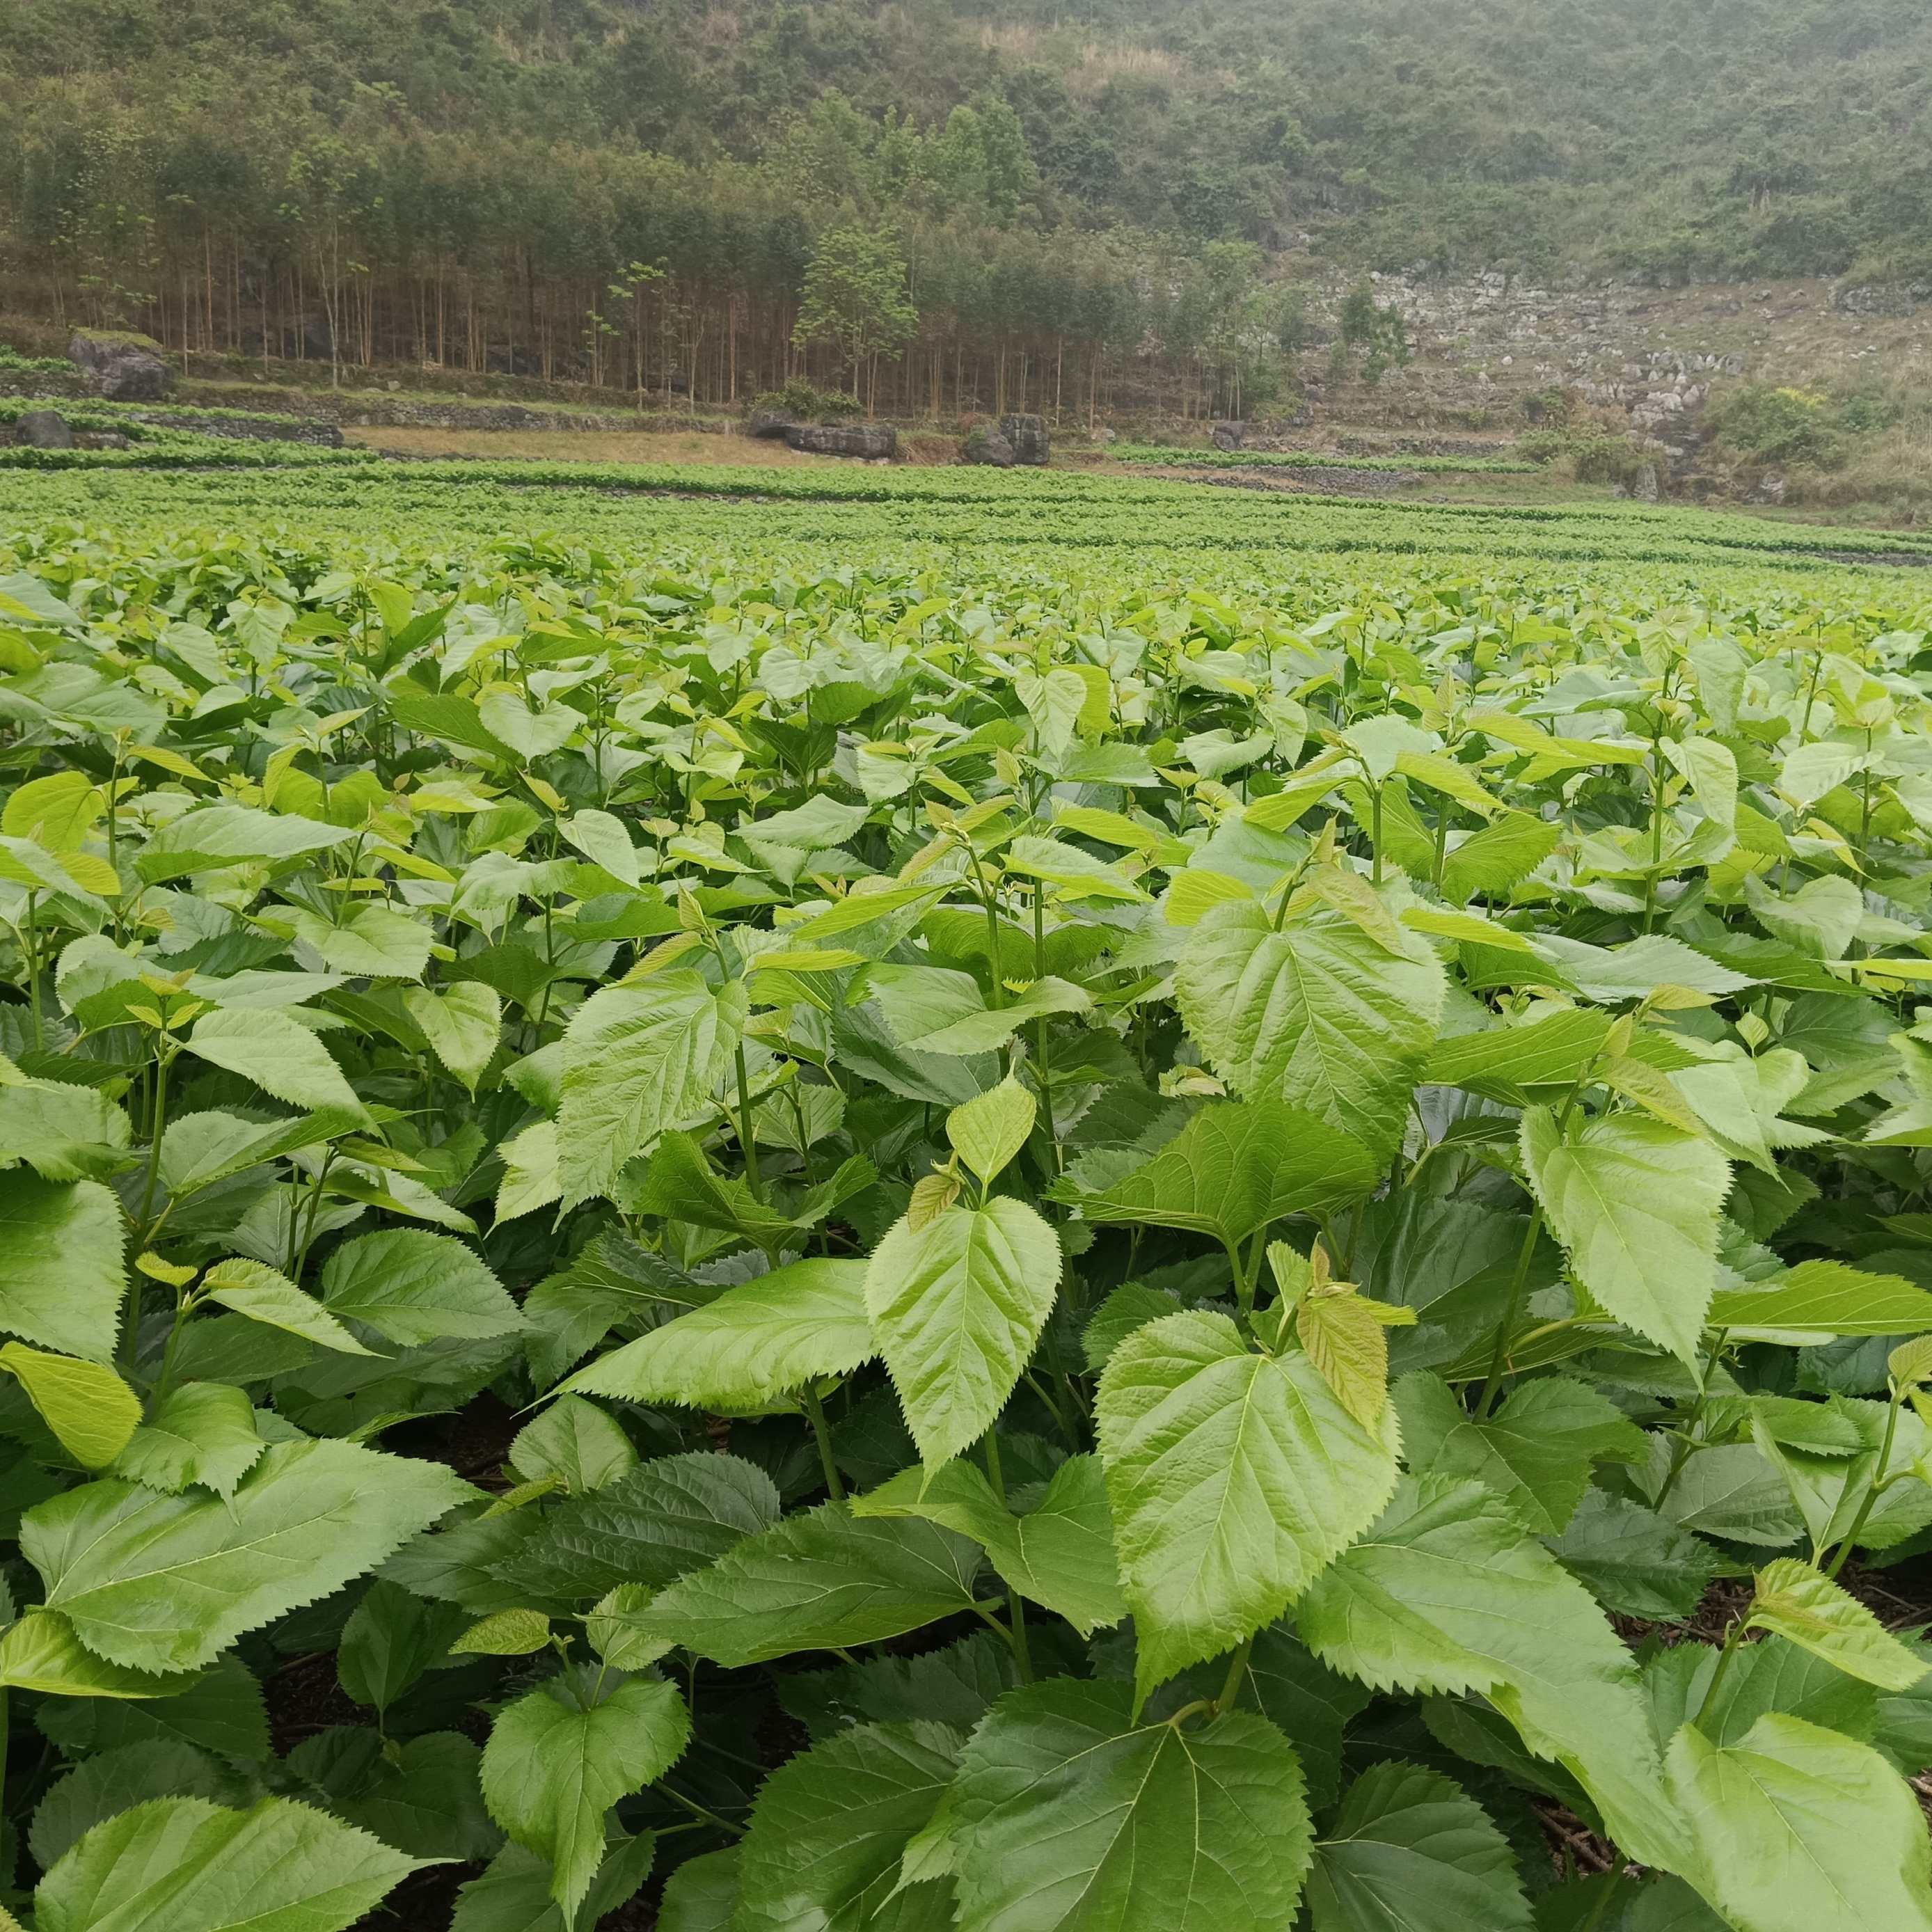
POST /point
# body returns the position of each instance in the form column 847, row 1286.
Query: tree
column 855, row 298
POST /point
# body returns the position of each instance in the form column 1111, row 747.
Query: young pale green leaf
column 279, row 1055
column 831, row 1825
column 259, row 1292
column 1801, row 1603
column 987, row 1132
column 1636, row 1203
column 576, row 1442
column 40, row 1652
column 956, row 1306
column 615, row 1628
column 1060, row 1553
column 1507, row 1063
column 225, row 835
column 821, row 1581
column 1795, row 1826
column 202, row 1433
column 462, row 1023
column 1410, row 1849
column 161, row 1583
column 1536, row 1452
column 1448, row 1593
column 933, row 1009
column 560, row 1757
column 506, row 1633
column 638, row 1059
column 1346, row 1337
column 62, row 1276
column 413, row 1286
column 182, row 1864
column 1233, row 1477
column 1233, row 1169
column 1068, row 1817
column 88, row 1406
column 370, row 942
column 754, row 1343
column 1320, row 1014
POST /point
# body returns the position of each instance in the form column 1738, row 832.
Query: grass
column 692, row 447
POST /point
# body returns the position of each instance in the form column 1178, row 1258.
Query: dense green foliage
column 491, row 184
column 869, row 1230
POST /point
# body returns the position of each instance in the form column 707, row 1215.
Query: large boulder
column 1027, row 435
column 1228, row 436
column 872, row 440
column 770, row 422
column 128, row 367
column 44, row 429
column 989, row 446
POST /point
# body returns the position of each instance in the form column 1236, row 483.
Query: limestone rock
column 1026, row 434
column 44, row 429
column 126, row 366
column 988, row 446
column 865, row 438
column 1228, row 435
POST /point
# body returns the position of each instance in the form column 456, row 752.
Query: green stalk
column 31, row 948
column 1512, row 1315
column 1732, row 1639
column 1877, row 1486
column 747, row 1139
column 815, row 1409
column 1238, row 1671
column 1016, row 1609
column 1681, row 1450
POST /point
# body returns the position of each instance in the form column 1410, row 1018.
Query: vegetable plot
column 838, row 1256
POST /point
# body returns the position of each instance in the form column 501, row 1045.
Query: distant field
column 688, row 446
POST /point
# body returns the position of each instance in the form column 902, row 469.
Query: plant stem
column 1732, row 1638
column 815, row 1409
column 183, row 1308
column 32, row 951
column 1512, row 1315
column 1873, row 1493
column 1681, row 1450
column 1238, row 1671
column 1016, row 1609
column 747, row 1139
column 698, row 1812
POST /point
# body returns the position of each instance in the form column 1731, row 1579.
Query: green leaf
column 1803, row 1605
column 506, row 1633
column 262, row 1295
column 1634, row 1562
column 1536, row 1452
column 1448, row 1593
column 462, row 1023
column 1636, row 1203
column 702, row 1894
column 182, row 1864
column 279, row 1054
column 64, row 1133
column 1795, row 1826
column 558, row 1758
column 204, row 1432
column 575, row 1442
column 1823, row 1298
column 956, row 1307
column 1233, row 1477
column 427, row 1800
column 61, row 1278
column 933, row 1009
column 1060, row 1553
column 88, row 1407
column 987, row 1132
column 513, row 1894
column 1410, row 1849
column 830, row 1826
column 1493, row 859
column 40, row 1652
column 1508, row 1063
column 615, row 1628
column 391, row 1637
column 163, row 1583
column 1068, row 1817
column 1319, row 1014
column 413, row 1287
column 638, row 1059
column 1233, row 1169
column 652, row 1525
column 754, row 1343
column 821, row 1581
column 114, row 1781
column 369, row 942
column 222, row 1711
column 216, row 835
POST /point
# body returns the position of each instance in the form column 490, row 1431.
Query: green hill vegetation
column 637, row 197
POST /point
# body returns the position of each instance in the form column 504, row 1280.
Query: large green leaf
column 1060, row 1553
column 1448, row 1593
column 61, row 1278
column 202, row 1433
column 821, row 1581
column 1509, row 1063
column 1823, row 1298
column 161, row 1582
column 1070, row 1818
column 638, row 1059
column 1233, row 1169
column 752, row 1344
column 462, row 1023
column 1411, row 1850
column 670, row 1515
column 560, row 1756
column 956, row 1306
column 279, row 1054
column 223, row 834
column 1808, row 1609
column 182, row 1864
column 413, row 1286
column 1800, row 1829
column 110, row 1782
column 1321, row 1014
column 1635, row 1202
column 1633, row 1561
column 1233, row 1476
column 822, row 1853
column 1536, row 1452
column 933, row 1010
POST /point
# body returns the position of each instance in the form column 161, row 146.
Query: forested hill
column 477, row 181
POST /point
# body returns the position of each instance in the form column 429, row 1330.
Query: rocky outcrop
column 872, row 440
column 128, row 368
column 771, row 423
column 986, row 444
column 43, row 429
column 1228, row 436
column 1026, row 437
